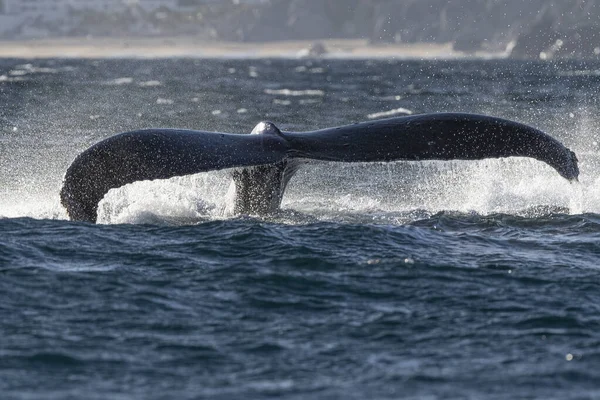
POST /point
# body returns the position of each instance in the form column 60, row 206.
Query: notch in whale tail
column 165, row 153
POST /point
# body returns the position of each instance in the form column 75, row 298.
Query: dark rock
column 315, row 50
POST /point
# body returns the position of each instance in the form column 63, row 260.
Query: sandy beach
column 195, row 48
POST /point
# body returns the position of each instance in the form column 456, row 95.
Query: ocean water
column 432, row 280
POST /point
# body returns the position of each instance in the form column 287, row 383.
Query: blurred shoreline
column 190, row 47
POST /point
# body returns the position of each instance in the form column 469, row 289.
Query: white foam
column 150, row 84
column 390, row 113
column 338, row 191
column 32, row 206
column 179, row 200
column 5, row 78
column 119, row 81
column 289, row 92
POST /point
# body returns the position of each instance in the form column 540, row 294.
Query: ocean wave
column 390, row 113
column 289, row 92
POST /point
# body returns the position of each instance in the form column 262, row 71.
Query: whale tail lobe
column 443, row 136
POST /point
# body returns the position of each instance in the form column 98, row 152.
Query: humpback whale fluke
column 270, row 157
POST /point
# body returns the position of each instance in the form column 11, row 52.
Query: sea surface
column 406, row 280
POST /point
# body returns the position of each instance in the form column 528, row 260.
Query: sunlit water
column 401, row 280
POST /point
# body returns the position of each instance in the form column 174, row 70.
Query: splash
column 176, row 201
column 484, row 187
column 397, row 192
column 389, row 192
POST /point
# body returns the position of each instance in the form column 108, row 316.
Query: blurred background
column 521, row 28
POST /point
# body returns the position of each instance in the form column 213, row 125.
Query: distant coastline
column 190, row 47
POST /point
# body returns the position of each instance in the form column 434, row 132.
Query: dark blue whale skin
column 270, row 157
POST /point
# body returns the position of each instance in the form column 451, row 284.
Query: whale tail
column 165, row 153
